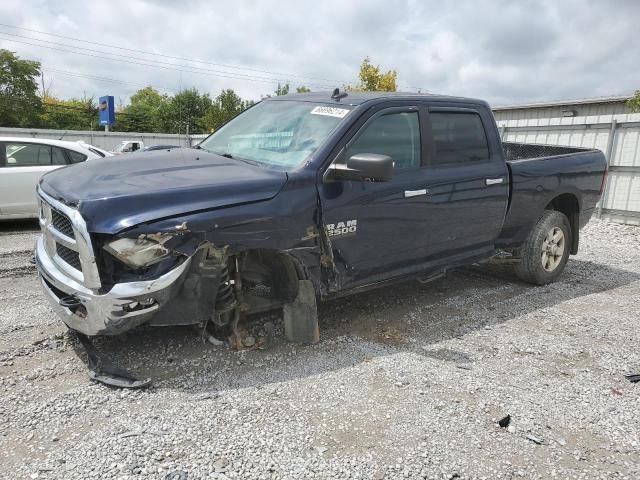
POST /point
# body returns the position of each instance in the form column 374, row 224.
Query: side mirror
column 365, row 166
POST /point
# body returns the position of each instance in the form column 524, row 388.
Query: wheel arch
column 568, row 204
column 285, row 270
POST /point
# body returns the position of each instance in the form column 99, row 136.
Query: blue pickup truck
column 303, row 198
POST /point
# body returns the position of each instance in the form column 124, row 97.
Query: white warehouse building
column 606, row 123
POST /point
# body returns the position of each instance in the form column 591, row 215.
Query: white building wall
column 556, row 111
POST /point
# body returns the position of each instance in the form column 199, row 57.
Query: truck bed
column 525, row 151
column 541, row 174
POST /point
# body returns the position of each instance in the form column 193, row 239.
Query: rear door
column 22, row 165
column 467, row 182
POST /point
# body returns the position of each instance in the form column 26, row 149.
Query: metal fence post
column 608, row 156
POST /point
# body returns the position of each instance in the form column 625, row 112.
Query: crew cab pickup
column 303, row 198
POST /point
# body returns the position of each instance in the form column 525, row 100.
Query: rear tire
column 546, row 251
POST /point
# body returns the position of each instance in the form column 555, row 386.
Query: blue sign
column 106, row 107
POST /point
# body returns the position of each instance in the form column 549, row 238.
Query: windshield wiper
column 250, row 162
column 228, row 155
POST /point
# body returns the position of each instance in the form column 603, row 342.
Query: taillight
column 604, row 179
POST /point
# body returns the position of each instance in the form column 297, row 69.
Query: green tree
column 373, row 80
column 184, row 112
column 73, row 114
column 224, row 107
column 20, row 105
column 303, row 89
column 282, row 90
column 143, row 112
column 634, row 102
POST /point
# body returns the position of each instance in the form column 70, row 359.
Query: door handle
column 415, row 193
column 493, row 181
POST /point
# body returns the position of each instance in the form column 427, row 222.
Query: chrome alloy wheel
column 553, row 248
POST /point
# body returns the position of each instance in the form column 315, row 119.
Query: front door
column 380, row 229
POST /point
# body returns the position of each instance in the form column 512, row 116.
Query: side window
column 76, row 157
column 27, row 155
column 57, row 156
column 396, row 135
column 458, row 137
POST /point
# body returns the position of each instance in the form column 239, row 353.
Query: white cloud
column 498, row 50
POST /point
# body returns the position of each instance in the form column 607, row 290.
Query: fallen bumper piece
column 102, row 370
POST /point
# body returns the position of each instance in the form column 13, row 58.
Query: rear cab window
column 458, row 137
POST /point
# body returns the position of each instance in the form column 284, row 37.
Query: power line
column 46, row 69
column 236, row 67
column 129, row 57
column 204, row 72
column 134, row 60
column 283, row 77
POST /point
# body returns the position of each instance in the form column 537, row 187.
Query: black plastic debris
column 536, row 440
column 633, row 378
column 102, row 370
column 504, row 422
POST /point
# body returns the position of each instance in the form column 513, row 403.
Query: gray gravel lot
column 407, row 382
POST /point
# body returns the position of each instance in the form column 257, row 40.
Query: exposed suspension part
column 226, row 300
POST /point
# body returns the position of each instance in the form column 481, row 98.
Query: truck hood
column 116, row 193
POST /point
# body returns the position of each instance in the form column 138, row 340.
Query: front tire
column 546, row 251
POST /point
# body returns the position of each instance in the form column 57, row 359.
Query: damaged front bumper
column 124, row 306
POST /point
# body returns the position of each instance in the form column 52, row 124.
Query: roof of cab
column 358, row 98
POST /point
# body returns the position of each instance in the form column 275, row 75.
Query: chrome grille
column 67, row 241
column 69, row 256
column 61, row 223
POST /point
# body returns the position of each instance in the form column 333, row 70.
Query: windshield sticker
column 330, row 111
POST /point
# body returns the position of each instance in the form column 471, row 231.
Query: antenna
column 337, row 95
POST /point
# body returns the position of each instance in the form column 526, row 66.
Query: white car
column 24, row 160
column 127, row 146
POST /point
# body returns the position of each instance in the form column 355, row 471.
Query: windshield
column 121, row 147
column 280, row 134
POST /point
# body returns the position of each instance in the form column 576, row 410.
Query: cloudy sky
column 500, row 50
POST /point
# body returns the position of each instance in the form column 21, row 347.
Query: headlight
column 137, row 252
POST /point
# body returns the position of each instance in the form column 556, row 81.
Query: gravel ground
column 408, row 382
